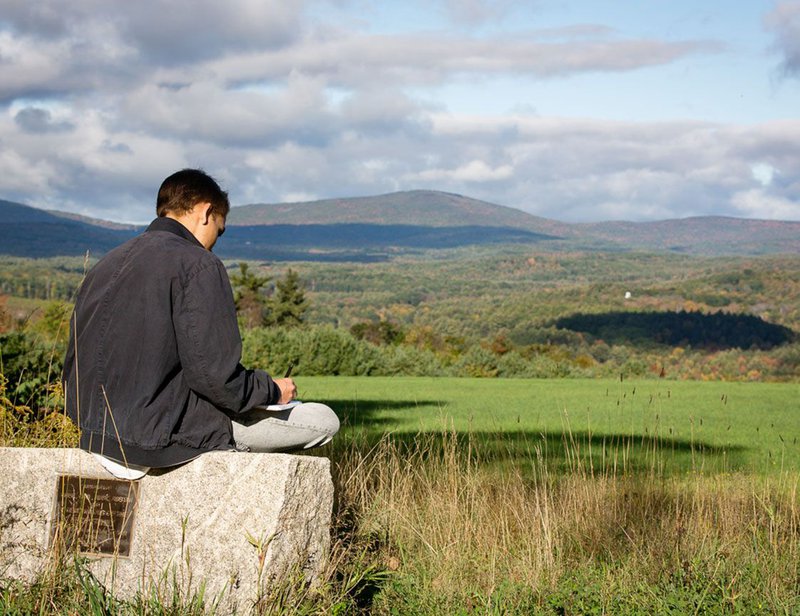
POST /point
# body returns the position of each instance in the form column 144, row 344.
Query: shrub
column 320, row 350
column 477, row 362
column 410, row 361
column 29, row 367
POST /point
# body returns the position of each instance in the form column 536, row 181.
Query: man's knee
column 318, row 415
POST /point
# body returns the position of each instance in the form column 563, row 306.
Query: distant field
column 595, row 424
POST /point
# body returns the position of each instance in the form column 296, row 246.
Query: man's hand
column 288, row 390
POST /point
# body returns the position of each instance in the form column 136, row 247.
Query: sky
column 575, row 110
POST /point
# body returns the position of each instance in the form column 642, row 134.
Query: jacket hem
column 170, row 455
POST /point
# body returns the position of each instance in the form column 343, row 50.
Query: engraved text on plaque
column 95, row 515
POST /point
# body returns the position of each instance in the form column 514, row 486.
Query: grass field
column 678, row 425
column 551, row 497
column 570, row 496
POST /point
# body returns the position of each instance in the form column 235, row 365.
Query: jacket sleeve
column 210, row 346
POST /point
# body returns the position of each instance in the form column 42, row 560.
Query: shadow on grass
column 559, row 452
column 570, row 451
column 363, row 413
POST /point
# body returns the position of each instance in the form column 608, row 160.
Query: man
column 152, row 373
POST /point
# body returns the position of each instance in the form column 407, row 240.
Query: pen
column 289, row 371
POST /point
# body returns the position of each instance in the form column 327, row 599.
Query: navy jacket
column 152, row 373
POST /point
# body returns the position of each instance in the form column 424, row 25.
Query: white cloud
column 582, row 169
column 472, row 171
column 205, row 111
column 784, row 22
column 27, row 66
column 354, row 60
column 758, row 203
column 764, row 173
column 477, row 12
column 20, row 176
column 297, row 197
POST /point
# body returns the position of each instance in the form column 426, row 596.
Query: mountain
column 701, row 235
column 15, row 213
column 97, row 222
column 30, row 232
column 425, row 208
column 358, row 241
column 369, row 228
column 710, row 235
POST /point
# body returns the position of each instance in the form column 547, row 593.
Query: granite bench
column 231, row 523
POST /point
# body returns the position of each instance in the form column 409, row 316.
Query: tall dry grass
column 461, row 526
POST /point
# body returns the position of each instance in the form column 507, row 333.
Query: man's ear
column 205, row 211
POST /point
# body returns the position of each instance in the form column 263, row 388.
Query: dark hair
column 181, row 191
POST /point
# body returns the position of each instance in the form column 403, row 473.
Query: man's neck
column 192, row 220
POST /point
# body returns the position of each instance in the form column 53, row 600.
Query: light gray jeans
column 307, row 425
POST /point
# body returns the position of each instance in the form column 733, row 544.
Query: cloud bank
column 101, row 100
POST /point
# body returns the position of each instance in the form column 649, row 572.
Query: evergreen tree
column 252, row 304
column 289, row 303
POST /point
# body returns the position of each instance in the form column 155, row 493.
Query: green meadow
column 678, row 426
column 522, row 496
column 566, row 496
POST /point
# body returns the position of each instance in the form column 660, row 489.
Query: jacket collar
column 162, row 223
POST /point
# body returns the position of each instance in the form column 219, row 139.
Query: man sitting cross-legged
column 152, row 374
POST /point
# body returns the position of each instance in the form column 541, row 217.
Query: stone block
column 235, row 523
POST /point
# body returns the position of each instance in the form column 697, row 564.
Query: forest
column 501, row 311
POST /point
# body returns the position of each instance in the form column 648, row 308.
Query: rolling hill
column 30, row 232
column 369, row 228
column 701, row 235
column 428, row 208
column 711, row 235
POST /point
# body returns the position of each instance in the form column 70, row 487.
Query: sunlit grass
column 678, row 425
column 461, row 537
column 463, row 496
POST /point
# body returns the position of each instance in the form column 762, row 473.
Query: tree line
column 501, row 315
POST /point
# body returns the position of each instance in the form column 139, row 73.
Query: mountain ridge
column 420, row 207
column 406, row 220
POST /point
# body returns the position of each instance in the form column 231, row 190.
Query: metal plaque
column 95, row 515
